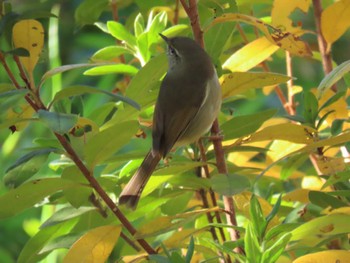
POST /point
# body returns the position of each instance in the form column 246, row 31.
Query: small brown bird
column 189, row 100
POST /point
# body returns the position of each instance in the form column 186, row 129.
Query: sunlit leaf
column 95, row 246
column 335, row 75
column 341, row 256
column 272, row 253
column 29, row 34
column 111, row 69
column 251, row 245
column 250, row 55
column 332, row 29
column 109, row 53
column 119, row 31
column 19, row 116
column 28, row 194
column 108, row 141
column 245, row 125
column 238, row 82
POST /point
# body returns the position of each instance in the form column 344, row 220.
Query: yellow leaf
column 298, row 195
column 239, row 82
column 282, row 10
column 341, row 210
column 21, row 112
column 331, row 165
column 285, row 131
column 335, row 21
column 250, row 55
column 95, row 246
column 338, row 256
column 313, row 183
column 29, row 34
column 286, row 40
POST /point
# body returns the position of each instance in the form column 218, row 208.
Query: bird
column 188, row 102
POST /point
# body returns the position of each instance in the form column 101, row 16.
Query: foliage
column 74, row 131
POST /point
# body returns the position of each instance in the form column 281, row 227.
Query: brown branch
column 192, row 13
column 322, row 44
column 81, row 166
column 176, row 12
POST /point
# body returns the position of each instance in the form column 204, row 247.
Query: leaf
column 238, row 82
column 89, row 11
column 25, row 167
column 119, row 31
column 250, row 55
column 157, row 25
column 95, row 246
column 29, row 34
column 190, row 251
column 165, row 224
column 285, row 131
column 80, row 90
column 64, row 241
column 230, row 184
column 315, row 230
column 31, row 253
column 281, row 11
column 13, row 93
column 58, row 122
column 335, row 75
column 245, row 125
column 139, row 25
column 251, row 245
column 272, row 253
column 62, row 69
column 28, row 194
column 337, row 177
column 65, row 214
column 286, row 40
column 111, row 69
column 258, row 221
column 101, row 146
column 109, row 53
column 332, row 29
column 143, row 87
column 310, row 108
column 341, row 256
column 325, row 200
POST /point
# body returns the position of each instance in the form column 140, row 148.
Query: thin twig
column 176, row 12
column 291, row 103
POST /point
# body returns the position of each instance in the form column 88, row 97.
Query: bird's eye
column 172, row 51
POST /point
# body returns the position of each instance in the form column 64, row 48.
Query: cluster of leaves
column 288, row 174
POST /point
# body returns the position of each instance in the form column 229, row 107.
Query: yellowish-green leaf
column 314, row 231
column 335, row 21
column 250, row 55
column 239, row 82
column 29, row 34
column 281, row 11
column 18, row 116
column 166, row 223
column 100, row 147
column 297, row 195
column 95, row 246
column 285, row 131
column 339, row 256
column 286, row 40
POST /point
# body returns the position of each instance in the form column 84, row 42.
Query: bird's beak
column 165, row 38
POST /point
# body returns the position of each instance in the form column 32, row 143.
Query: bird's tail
column 132, row 191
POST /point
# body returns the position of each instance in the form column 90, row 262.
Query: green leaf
column 258, row 221
column 31, row 253
column 310, row 108
column 176, row 30
column 119, row 31
column 109, row 141
column 245, row 125
column 251, row 245
column 271, row 254
column 335, row 75
column 325, row 200
column 111, row 69
column 337, row 177
column 190, row 250
column 29, row 194
column 274, row 210
column 157, row 25
column 65, row 214
column 80, row 90
column 230, row 184
column 143, row 88
column 280, row 229
column 292, row 164
column 25, row 167
column 58, row 122
column 12, row 93
column 139, row 25
column 89, row 11
column 109, row 53
column 65, row 241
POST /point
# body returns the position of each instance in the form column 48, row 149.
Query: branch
column 192, row 13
